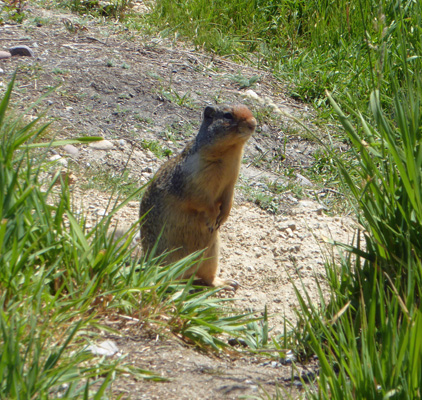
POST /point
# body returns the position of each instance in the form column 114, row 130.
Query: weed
column 15, row 10
column 119, row 110
column 40, row 21
column 156, row 148
column 96, row 177
column 243, row 81
column 111, row 9
column 314, row 46
column 59, row 71
column 154, row 75
column 146, row 120
column 124, row 96
column 263, row 199
column 264, row 115
column 182, row 100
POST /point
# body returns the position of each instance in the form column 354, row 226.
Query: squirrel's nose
column 251, row 122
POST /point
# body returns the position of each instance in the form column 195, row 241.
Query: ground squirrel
column 191, row 194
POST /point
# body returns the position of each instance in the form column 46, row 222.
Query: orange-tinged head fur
column 242, row 113
column 224, row 126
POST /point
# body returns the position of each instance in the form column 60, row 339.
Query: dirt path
column 146, row 97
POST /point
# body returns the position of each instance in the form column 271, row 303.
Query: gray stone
column 102, row 145
column 303, row 181
column 21, row 51
column 72, row 150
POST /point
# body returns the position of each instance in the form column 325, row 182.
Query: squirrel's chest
column 212, row 175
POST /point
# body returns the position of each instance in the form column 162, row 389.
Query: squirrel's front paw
column 211, row 227
column 227, row 284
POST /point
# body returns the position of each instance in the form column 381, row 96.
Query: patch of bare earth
column 129, row 89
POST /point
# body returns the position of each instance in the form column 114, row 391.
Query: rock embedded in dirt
column 303, row 181
column 72, row 150
column 284, row 225
column 102, row 145
column 21, row 51
column 59, row 159
column 5, row 55
column 106, row 348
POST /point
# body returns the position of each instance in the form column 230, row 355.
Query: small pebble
column 72, row 150
column 106, row 348
column 59, row 159
column 288, row 358
column 5, row 55
column 101, row 145
column 21, row 51
column 303, row 180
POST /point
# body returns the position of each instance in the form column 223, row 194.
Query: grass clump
column 155, row 147
column 116, row 9
column 367, row 335
column 315, row 46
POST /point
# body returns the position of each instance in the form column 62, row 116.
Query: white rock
column 102, row 145
column 59, row 159
column 303, row 181
column 289, row 232
column 252, row 95
column 106, row 348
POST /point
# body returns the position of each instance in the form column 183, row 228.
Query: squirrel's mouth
column 247, row 127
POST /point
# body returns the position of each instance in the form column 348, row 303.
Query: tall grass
column 58, row 279
column 368, row 335
column 314, row 45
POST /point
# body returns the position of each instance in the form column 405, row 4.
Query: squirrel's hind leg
column 208, row 269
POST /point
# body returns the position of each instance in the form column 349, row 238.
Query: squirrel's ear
column 209, row 112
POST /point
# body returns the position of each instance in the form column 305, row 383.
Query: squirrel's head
column 226, row 125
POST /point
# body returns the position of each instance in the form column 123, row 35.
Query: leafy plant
column 243, row 81
column 15, row 10
column 111, row 9
column 367, row 335
column 156, row 148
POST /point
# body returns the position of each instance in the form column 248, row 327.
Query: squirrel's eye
column 228, row 115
